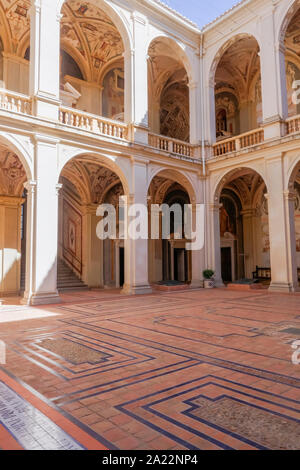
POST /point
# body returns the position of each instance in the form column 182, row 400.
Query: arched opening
column 238, row 100
column 84, row 260
column 292, row 59
column 169, row 110
column 294, row 223
column 15, row 38
column 244, row 227
column 92, row 64
column 169, row 260
column 13, row 215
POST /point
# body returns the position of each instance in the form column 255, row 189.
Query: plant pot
column 209, row 283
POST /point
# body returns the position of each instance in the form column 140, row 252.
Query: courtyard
column 197, row 369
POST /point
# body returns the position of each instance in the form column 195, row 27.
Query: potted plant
column 209, row 282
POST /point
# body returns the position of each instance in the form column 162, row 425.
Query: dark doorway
column 226, row 264
column 122, row 266
column 179, row 265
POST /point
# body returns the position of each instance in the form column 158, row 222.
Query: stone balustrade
column 15, row 102
column 239, row 142
column 92, row 123
column 293, row 125
column 171, row 145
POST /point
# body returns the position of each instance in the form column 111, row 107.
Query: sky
column 201, row 11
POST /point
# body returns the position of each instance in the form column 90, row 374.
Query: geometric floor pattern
column 200, row 369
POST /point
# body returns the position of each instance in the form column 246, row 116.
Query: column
column 45, row 58
column 198, row 257
column 91, row 248
column 10, row 244
column 136, row 81
column 282, row 230
column 216, row 243
column 195, row 109
column 42, row 228
column 273, row 74
column 249, row 251
column 136, row 251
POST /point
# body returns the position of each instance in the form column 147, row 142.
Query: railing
column 293, row 125
column 239, row 142
column 90, row 122
column 171, row 145
column 16, row 102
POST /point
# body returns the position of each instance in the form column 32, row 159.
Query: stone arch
column 178, row 177
column 116, row 16
column 287, row 16
column 96, row 158
column 12, row 143
column 224, row 47
column 229, row 174
column 179, row 50
column 292, row 173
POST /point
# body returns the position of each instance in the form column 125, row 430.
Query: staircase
column 67, row 279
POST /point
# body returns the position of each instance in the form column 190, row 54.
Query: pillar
column 136, row 81
column 45, row 58
column 42, row 226
column 136, row 251
column 282, row 230
column 215, row 263
column 249, row 251
column 10, row 245
column 273, row 74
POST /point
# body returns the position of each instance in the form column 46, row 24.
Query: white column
column 198, row 258
column 249, row 248
column 195, row 111
column 10, row 244
column 136, row 251
column 136, row 81
column 216, row 243
column 282, row 230
column 30, row 187
column 273, row 74
column 42, row 234
column 44, row 58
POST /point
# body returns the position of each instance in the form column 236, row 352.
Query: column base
column 42, row 299
column 219, row 283
column 283, row 287
column 136, row 290
column 197, row 284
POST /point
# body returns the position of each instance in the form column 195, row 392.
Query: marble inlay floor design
column 184, row 370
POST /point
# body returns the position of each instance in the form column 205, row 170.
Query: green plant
column 208, row 273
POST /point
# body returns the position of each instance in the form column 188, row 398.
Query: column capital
column 290, row 195
column 30, row 186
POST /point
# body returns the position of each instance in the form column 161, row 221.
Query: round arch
column 99, row 159
column 228, row 175
column 224, row 47
column 177, row 177
column 116, row 16
column 292, row 173
column 180, row 52
column 287, row 14
column 12, row 143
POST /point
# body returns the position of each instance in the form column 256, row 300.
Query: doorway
column 226, row 261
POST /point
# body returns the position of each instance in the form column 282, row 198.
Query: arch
column 224, row 47
column 229, row 175
column 287, row 16
column 292, row 173
column 99, row 159
column 180, row 52
column 13, row 144
column 178, row 177
column 116, row 16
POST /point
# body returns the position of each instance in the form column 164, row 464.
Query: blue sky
column 201, row 11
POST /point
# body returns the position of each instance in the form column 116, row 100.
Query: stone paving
column 184, row 370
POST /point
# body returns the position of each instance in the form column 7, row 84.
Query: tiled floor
column 182, row 370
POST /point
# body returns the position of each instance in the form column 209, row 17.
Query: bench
column 264, row 274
